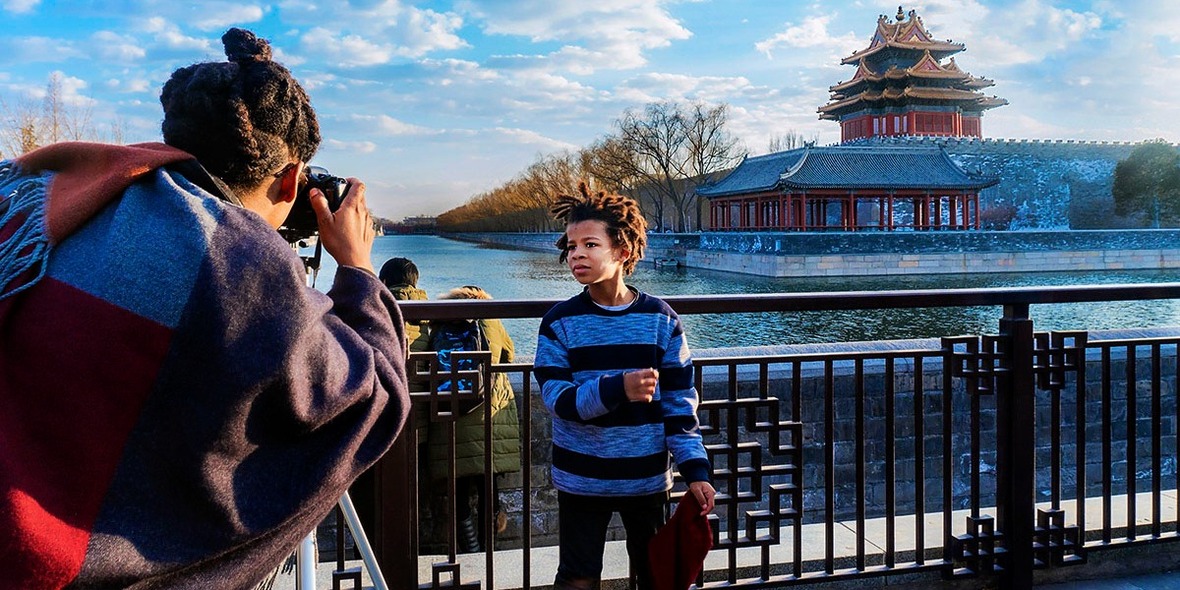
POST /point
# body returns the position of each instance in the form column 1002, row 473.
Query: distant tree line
column 657, row 155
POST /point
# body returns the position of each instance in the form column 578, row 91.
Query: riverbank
column 816, row 254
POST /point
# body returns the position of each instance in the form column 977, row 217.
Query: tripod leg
column 305, row 563
column 362, row 542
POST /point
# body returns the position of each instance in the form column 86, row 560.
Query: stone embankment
column 815, row 254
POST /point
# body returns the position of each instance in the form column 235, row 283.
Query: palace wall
column 1053, row 184
column 814, row 254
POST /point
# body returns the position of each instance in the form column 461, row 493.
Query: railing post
column 395, row 538
column 1016, row 449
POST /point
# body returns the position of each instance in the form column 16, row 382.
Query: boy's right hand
column 640, row 385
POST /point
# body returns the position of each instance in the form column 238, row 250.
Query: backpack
column 460, row 336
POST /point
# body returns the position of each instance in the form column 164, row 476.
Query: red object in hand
column 676, row 554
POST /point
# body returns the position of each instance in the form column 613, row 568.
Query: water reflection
column 511, row 274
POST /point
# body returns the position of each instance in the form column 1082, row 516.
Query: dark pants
column 583, row 521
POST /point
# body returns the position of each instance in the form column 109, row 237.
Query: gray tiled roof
column 853, row 167
column 758, row 173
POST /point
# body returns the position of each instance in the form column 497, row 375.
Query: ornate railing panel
column 979, row 455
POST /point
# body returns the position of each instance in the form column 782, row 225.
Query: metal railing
column 980, row 455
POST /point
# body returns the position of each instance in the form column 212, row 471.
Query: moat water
column 513, row 274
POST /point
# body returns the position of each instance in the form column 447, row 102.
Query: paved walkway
column 509, row 571
column 1167, row 581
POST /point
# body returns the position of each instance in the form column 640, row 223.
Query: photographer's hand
column 347, row 234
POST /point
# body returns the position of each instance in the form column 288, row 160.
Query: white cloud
column 1040, row 31
column 397, row 29
column 219, row 15
column 388, row 125
column 458, row 71
column 362, row 147
column 20, row 6
column 129, row 85
column 108, row 46
column 426, row 31
column 168, row 35
column 605, row 34
column 39, row 50
column 714, row 89
column 530, row 137
column 812, row 32
column 346, row 50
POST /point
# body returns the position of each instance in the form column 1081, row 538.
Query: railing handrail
column 814, row 301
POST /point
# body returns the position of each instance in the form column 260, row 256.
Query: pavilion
column 901, row 88
column 847, row 188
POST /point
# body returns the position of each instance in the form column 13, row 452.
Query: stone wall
column 785, row 254
column 1053, row 184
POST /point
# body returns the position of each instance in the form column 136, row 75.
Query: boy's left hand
column 704, row 493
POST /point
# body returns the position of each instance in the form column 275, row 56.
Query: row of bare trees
column 657, row 155
column 26, row 125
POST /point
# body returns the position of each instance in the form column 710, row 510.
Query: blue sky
column 432, row 102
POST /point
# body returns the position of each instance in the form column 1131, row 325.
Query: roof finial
column 900, row 14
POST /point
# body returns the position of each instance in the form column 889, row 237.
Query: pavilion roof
column 926, row 68
column 849, row 167
column 754, row 174
column 906, row 35
column 965, row 98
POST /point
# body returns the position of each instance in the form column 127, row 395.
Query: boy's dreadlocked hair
column 625, row 225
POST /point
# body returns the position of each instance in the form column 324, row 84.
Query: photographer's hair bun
column 243, row 47
column 243, row 119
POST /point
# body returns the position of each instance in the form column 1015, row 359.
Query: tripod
column 305, row 554
column 305, row 562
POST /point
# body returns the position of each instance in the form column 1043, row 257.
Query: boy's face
column 591, row 255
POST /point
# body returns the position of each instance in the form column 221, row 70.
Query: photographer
column 177, row 407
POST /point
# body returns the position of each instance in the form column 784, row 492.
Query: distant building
column 847, row 188
column 420, row 224
column 902, row 87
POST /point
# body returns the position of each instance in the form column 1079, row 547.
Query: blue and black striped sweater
column 603, row 444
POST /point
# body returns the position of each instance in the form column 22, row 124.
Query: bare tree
column 614, row 165
column 674, row 147
column 788, row 141
column 711, row 148
column 27, row 125
column 657, row 156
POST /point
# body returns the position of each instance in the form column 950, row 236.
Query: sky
column 433, row 102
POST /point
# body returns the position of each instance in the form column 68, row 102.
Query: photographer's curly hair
column 625, row 224
column 243, row 119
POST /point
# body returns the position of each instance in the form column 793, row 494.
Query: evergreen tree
column 1147, row 183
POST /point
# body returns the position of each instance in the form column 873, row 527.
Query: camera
column 301, row 222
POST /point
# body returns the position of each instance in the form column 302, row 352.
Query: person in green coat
column 469, row 436
column 400, row 275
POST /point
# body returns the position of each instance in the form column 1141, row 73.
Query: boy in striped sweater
column 616, row 374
